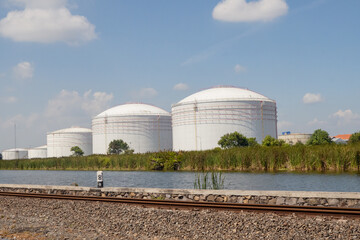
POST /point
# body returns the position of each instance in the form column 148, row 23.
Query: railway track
column 332, row 211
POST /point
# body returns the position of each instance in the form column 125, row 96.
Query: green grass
column 206, row 180
column 334, row 158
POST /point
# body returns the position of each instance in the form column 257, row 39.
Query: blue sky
column 62, row 62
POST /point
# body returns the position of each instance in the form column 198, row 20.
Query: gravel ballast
column 27, row 218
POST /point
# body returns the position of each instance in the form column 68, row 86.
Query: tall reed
column 337, row 158
column 203, row 181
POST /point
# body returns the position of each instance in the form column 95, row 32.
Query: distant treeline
column 339, row 158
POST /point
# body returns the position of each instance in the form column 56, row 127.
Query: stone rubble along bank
column 330, row 199
column 28, row 218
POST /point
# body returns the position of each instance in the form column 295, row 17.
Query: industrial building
column 293, row 138
column 201, row 119
column 60, row 142
column 145, row 128
column 341, row 138
column 38, row 152
column 15, row 153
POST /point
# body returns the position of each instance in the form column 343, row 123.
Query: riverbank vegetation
column 305, row 158
column 238, row 153
column 207, row 180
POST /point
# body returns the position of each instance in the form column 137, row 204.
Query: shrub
column 234, row 139
column 269, row 141
column 354, row 138
column 77, row 151
column 319, row 137
column 117, row 147
column 166, row 161
column 252, row 142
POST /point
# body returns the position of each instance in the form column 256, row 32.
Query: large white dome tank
column 59, row 143
column 145, row 128
column 16, row 153
column 38, row 152
column 201, row 119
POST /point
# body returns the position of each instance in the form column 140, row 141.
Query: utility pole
column 16, row 152
column 15, row 133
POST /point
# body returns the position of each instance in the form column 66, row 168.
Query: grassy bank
column 338, row 158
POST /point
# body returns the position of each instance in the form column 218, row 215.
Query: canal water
column 143, row 179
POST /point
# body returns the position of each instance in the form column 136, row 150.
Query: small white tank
column 59, row 143
column 145, row 128
column 13, row 154
column 38, row 152
column 294, row 138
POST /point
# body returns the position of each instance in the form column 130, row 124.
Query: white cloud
column 46, row 21
column 21, row 120
column 214, row 49
column 96, row 102
column 66, row 109
column 10, row 99
column 39, row 3
column 23, row 70
column 145, row 93
column 238, row 68
column 202, row 56
column 68, row 104
column 346, row 120
column 312, row 98
column 181, row 87
column 249, row 11
column 340, row 122
column 346, row 115
column 29, row 131
column 284, row 125
column 63, row 104
column 316, row 122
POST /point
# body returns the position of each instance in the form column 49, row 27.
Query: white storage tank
column 145, row 128
column 15, row 153
column 38, row 152
column 293, row 138
column 59, row 143
column 201, row 119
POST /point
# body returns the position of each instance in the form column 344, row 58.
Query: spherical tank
column 201, row 119
column 13, row 154
column 145, row 128
column 39, row 152
column 59, row 143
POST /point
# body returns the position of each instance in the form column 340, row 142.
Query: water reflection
column 241, row 181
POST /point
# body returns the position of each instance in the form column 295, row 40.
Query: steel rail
column 333, row 211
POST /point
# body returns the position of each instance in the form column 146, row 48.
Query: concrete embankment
column 334, row 199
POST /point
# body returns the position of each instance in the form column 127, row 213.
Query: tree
column 234, row 139
column 319, row 137
column 269, row 141
column 77, row 151
column 354, row 138
column 252, row 142
column 298, row 143
column 117, row 147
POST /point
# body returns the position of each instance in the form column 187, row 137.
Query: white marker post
column 99, row 177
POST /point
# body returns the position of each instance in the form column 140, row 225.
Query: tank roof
column 133, row 109
column 16, row 150
column 224, row 93
column 73, row 130
column 39, row 148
